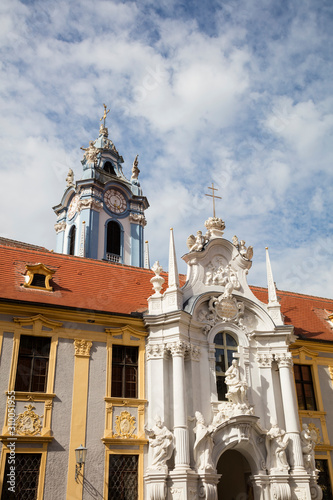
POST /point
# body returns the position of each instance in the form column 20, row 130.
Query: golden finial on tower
column 104, row 115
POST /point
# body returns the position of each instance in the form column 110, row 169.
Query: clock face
column 73, row 206
column 115, row 201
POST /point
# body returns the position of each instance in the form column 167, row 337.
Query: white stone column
column 285, row 363
column 182, row 455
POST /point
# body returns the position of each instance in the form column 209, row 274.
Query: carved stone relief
column 221, row 308
column 125, row 425
column 28, row 423
column 82, row 347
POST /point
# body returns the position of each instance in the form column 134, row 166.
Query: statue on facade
column 91, row 153
column 70, row 178
column 236, row 387
column 309, row 440
column 276, row 443
column 196, row 243
column 135, row 170
column 160, row 443
column 246, row 252
column 203, row 445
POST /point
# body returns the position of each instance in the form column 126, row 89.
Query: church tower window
column 113, row 241
column 72, row 234
column 225, row 347
column 108, row 167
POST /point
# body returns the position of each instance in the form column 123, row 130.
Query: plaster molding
column 125, row 425
column 179, row 348
column 264, row 359
column 156, row 351
column 89, row 203
column 222, row 308
column 284, row 359
column 82, row 347
column 138, row 219
column 28, row 423
column 60, row 226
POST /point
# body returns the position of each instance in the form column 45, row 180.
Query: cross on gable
column 213, row 196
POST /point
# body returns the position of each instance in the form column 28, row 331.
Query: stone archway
column 235, row 472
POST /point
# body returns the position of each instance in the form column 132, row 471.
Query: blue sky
column 238, row 93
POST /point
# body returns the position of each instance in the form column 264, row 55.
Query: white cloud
column 237, row 94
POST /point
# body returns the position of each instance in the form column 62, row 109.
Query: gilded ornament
column 28, row 423
column 82, row 347
column 125, row 425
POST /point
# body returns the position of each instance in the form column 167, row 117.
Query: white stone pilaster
column 182, row 455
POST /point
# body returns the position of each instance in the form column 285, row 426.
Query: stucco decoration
column 277, row 443
column 309, row 439
column 138, row 219
column 157, row 280
column 215, row 227
column 125, row 425
column 60, row 226
column 89, row 203
column 246, row 252
column 156, row 351
column 82, row 347
column 225, row 308
column 203, row 445
column 161, row 445
column 217, row 274
column 28, row 423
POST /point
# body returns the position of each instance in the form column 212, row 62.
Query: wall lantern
column 80, row 455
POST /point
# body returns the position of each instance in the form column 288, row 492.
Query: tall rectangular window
column 32, row 365
column 27, row 467
column 324, row 479
column 124, row 382
column 304, row 387
column 123, row 477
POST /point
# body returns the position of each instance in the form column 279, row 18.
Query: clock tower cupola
column 101, row 216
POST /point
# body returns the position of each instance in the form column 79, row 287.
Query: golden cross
column 213, row 196
column 104, row 116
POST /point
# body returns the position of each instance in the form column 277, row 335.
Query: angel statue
column 135, row 169
column 196, row 243
column 246, row 252
column 70, row 178
column 161, row 444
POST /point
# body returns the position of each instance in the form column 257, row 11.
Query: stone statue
column 203, row 445
column 276, row 443
column 236, row 387
column 308, row 440
column 70, row 178
column 135, row 169
column 91, row 153
column 195, row 244
column 160, row 443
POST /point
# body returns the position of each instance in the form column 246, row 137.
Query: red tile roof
column 307, row 313
column 107, row 287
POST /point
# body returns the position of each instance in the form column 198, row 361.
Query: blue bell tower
column 101, row 216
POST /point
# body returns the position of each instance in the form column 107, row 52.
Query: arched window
column 113, row 241
column 225, row 347
column 108, row 167
column 72, row 234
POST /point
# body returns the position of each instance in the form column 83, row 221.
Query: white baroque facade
column 219, row 380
